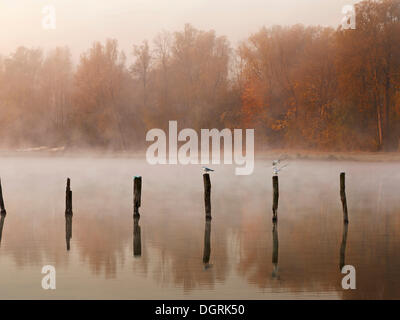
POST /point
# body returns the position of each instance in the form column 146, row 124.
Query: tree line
column 308, row 87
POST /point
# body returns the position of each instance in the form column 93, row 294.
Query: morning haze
column 79, row 23
column 77, row 104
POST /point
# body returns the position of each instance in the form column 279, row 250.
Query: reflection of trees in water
column 173, row 233
column 102, row 230
column 171, row 227
column 313, row 242
column 182, row 247
column 178, row 234
column 103, row 242
column 306, row 253
column 34, row 240
column 378, row 271
column 100, row 241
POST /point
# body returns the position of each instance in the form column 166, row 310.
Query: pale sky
column 80, row 22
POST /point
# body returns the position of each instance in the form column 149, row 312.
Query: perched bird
column 279, row 160
column 206, row 170
column 275, row 162
column 276, row 170
column 275, row 165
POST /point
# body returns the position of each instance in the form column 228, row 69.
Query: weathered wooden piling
column 207, row 195
column 68, row 230
column 137, row 239
column 207, row 242
column 343, row 196
column 68, row 198
column 275, row 186
column 2, row 207
column 137, row 192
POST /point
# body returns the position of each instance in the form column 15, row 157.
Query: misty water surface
column 300, row 259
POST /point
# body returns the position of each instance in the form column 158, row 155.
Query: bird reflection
column 2, row 218
column 275, row 246
column 343, row 246
column 68, row 229
column 207, row 244
column 137, row 241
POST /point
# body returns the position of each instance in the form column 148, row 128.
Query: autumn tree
column 200, row 62
column 20, row 97
column 368, row 61
column 299, row 86
column 280, row 65
column 56, row 84
column 99, row 81
column 141, row 67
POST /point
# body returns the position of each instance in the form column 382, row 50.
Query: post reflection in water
column 68, row 229
column 343, row 246
column 137, row 241
column 2, row 218
column 247, row 260
column 68, row 214
column 275, row 246
column 207, row 244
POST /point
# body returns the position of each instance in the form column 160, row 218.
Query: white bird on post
column 275, row 165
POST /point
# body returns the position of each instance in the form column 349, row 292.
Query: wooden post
column 2, row 208
column 137, row 239
column 343, row 196
column 207, row 195
column 275, row 186
column 207, row 242
column 68, row 198
column 137, row 192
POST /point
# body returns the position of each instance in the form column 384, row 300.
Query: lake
column 172, row 253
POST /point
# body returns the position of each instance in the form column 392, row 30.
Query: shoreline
column 359, row 156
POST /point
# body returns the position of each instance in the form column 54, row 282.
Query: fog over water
column 244, row 261
column 79, row 100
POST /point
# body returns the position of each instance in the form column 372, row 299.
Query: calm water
column 300, row 259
